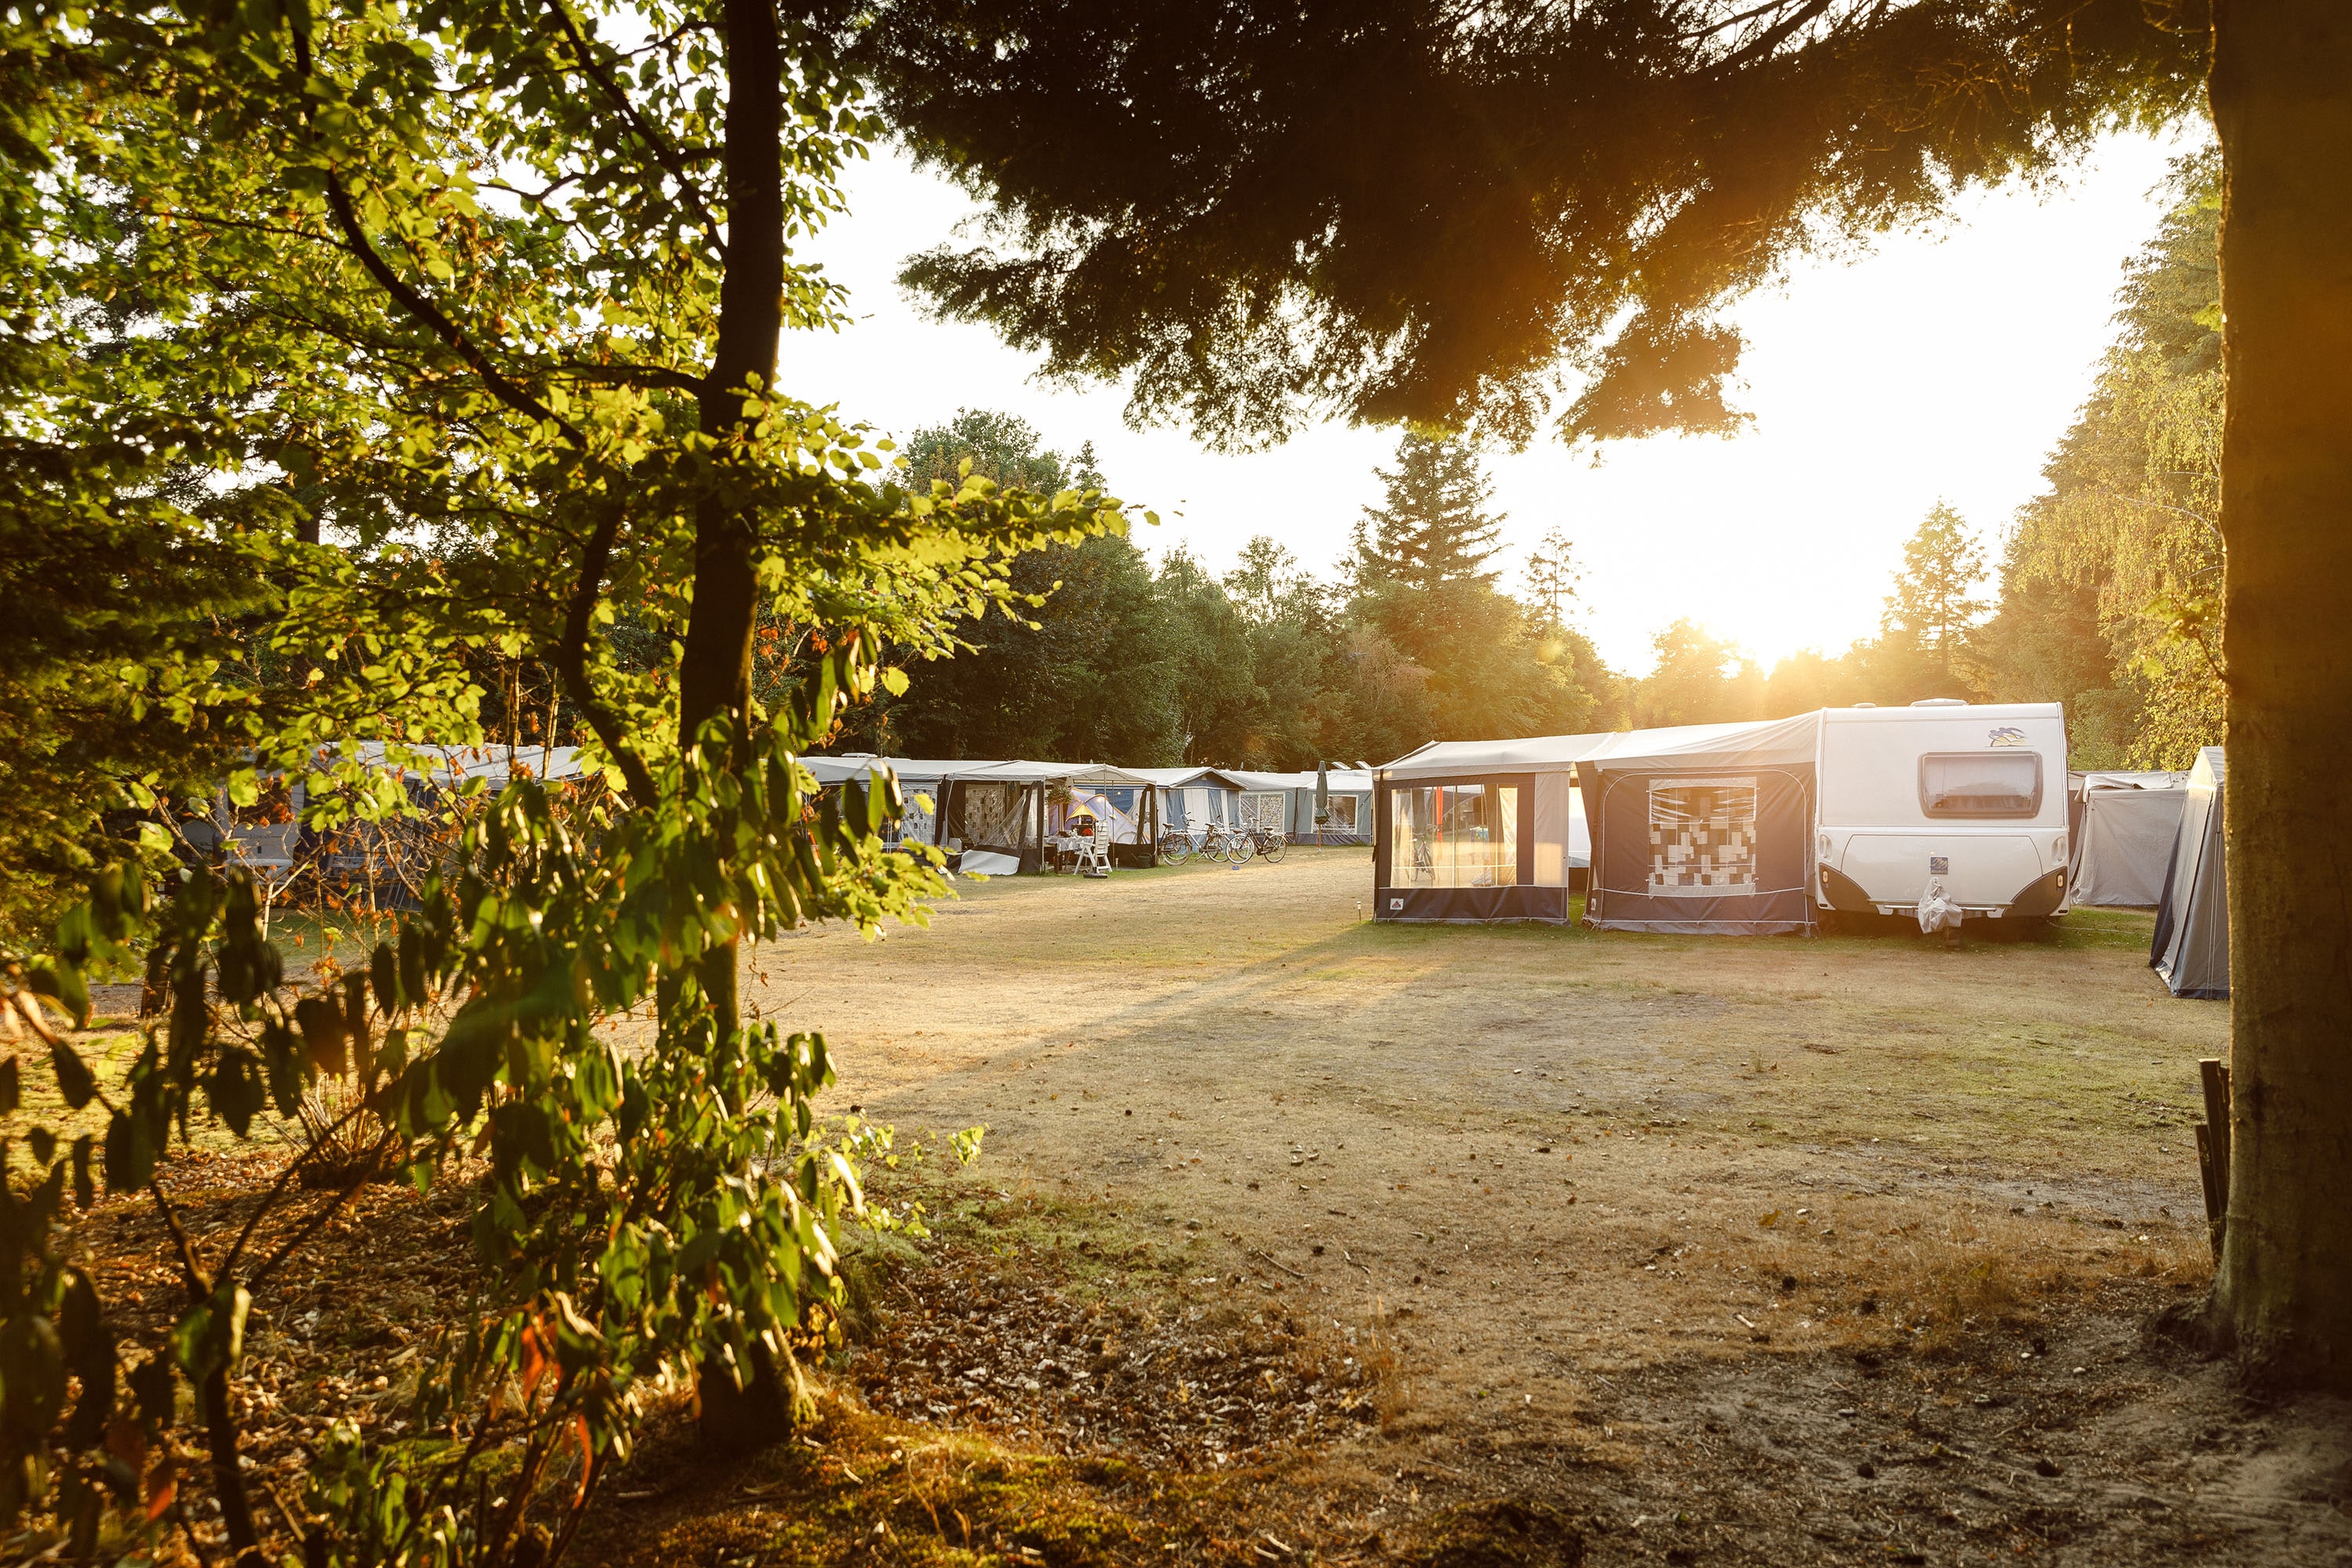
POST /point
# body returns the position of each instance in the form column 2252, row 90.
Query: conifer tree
column 1432, row 528
column 1935, row 607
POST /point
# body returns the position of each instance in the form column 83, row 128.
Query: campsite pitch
column 1776, row 1249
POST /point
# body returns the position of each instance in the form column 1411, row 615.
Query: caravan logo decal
column 2007, row 735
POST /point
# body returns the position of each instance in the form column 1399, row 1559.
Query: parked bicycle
column 1271, row 843
column 1216, row 842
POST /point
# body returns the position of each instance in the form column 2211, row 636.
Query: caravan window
column 1343, row 813
column 1980, row 784
column 1454, row 836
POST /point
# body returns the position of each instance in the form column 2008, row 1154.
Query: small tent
column 2123, row 827
column 1285, row 802
column 2191, row 947
column 1703, row 830
column 1193, row 798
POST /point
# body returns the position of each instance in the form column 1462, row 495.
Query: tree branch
column 636, row 375
column 571, row 655
column 664, row 155
column 338, row 202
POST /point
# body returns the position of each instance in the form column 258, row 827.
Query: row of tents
column 1002, row 816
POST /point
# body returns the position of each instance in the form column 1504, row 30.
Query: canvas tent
column 2191, row 947
column 1286, row 804
column 1193, row 798
column 998, row 814
column 2122, row 827
column 1475, row 830
column 1703, row 830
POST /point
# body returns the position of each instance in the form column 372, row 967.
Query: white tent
column 2191, row 947
column 2124, row 828
column 1702, row 830
column 1482, row 830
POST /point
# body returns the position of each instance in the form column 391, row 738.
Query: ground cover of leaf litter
column 1703, row 1250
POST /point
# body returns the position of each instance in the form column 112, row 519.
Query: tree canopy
column 1476, row 217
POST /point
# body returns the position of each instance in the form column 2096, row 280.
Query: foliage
column 1264, row 215
column 2111, row 592
column 1699, row 679
column 1933, row 610
column 1101, row 659
column 408, row 346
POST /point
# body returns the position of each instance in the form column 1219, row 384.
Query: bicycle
column 1271, row 844
column 1222, row 843
column 1175, row 847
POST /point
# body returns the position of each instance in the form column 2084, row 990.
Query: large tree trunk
column 715, row 672
column 2281, row 96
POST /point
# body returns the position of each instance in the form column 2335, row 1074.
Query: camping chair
column 1085, row 846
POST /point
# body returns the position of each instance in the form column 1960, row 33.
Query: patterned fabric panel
column 1702, row 837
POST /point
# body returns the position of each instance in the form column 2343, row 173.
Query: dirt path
column 1566, row 1173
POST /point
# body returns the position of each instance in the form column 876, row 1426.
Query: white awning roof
column 1344, row 780
column 1764, row 742
column 836, row 769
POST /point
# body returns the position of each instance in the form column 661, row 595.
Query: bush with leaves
column 464, row 317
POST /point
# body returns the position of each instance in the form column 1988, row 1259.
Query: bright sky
column 1943, row 365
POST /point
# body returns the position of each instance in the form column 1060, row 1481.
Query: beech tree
column 428, row 338
column 1487, row 217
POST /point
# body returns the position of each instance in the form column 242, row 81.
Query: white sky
column 1942, row 365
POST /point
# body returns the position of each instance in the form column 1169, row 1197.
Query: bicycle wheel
column 1239, row 848
column 1272, row 848
column 1174, row 849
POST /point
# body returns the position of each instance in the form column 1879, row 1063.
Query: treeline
column 1267, row 666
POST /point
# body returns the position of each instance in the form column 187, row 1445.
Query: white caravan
column 1967, row 799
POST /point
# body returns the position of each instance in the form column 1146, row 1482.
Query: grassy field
column 1636, row 1221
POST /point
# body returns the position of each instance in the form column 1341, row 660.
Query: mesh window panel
column 1702, row 837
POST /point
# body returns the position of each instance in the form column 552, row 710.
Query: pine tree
column 1934, row 608
column 1551, row 578
column 1432, row 529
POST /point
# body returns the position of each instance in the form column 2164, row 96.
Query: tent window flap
column 1454, row 836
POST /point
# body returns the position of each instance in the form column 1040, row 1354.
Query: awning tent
column 1191, row 798
column 1008, row 808
column 2123, row 827
column 1286, row 802
column 1703, row 830
column 1468, row 831
column 2191, row 947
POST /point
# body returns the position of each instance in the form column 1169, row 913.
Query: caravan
column 1965, row 800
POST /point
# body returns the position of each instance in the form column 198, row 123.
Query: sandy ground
column 1630, row 1203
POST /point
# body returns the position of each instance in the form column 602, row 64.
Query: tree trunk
column 715, row 672
column 2282, row 98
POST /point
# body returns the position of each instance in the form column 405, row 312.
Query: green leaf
column 210, row 1335
column 75, row 1080
column 65, row 987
